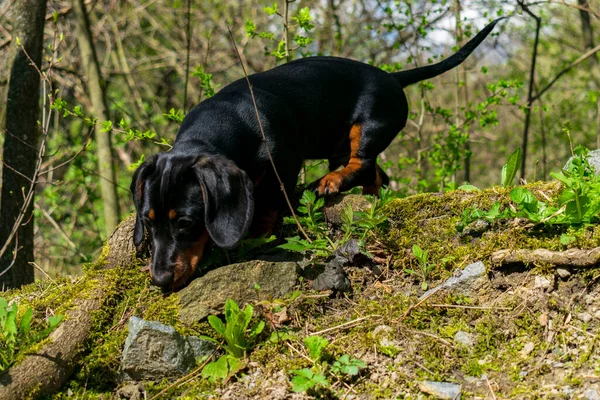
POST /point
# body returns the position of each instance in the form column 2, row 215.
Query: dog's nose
column 163, row 279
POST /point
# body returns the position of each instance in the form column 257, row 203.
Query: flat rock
column 335, row 206
column 244, row 282
column 155, row 351
column 441, row 390
column 472, row 280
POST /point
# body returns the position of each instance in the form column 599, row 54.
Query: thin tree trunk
column 461, row 73
column 530, row 96
column 20, row 154
column 587, row 30
column 588, row 41
column 106, row 166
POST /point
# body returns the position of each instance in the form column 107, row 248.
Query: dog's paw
column 330, row 184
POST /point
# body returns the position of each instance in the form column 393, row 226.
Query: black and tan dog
column 218, row 182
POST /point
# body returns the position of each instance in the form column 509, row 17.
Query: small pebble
column 441, row 390
column 543, row 319
column 464, row 338
column 585, row 317
column 543, row 282
column 528, row 348
column 563, row 273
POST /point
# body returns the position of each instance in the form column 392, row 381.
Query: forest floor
column 515, row 331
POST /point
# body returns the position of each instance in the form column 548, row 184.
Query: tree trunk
column 20, row 154
column 45, row 371
column 588, row 41
column 461, row 73
column 106, row 165
column 587, row 30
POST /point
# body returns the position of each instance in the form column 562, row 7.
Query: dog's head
column 183, row 200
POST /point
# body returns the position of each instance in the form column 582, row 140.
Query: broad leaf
column 510, row 169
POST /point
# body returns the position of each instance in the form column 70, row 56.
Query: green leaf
column 567, row 239
column 217, row 324
column 216, row 369
column 509, row 170
column 315, row 345
column 257, row 329
column 468, row 188
column 25, row 323
column 3, row 313
column 10, row 326
column 235, row 365
column 320, row 380
column 417, row 251
column 271, row 10
column 303, row 380
column 231, row 310
column 522, row 196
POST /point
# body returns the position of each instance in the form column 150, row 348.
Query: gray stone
column 591, row 394
column 545, row 283
column 244, row 282
column 155, row 351
column 200, row 347
column 476, row 228
column 464, row 338
column 527, row 349
column 131, row 391
column 584, row 317
column 563, row 273
column 441, row 390
column 334, row 208
column 593, row 158
column 471, row 280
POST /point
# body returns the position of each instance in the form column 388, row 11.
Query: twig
column 423, row 300
column 70, row 159
column 572, row 257
column 583, row 57
column 490, row 388
column 470, row 307
column 57, row 227
column 287, row 199
column 345, row 324
column 42, row 271
column 423, row 367
column 431, row 335
column 300, row 353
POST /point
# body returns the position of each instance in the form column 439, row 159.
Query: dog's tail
column 420, row 74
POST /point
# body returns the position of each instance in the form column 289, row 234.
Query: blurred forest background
column 114, row 79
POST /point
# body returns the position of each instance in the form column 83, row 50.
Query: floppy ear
column 137, row 191
column 228, row 201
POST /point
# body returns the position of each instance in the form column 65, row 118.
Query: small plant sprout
column 239, row 340
column 16, row 334
column 424, row 265
column 318, row 376
column 509, row 170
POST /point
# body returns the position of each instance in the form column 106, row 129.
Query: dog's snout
column 163, row 279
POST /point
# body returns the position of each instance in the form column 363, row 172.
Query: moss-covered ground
column 534, row 331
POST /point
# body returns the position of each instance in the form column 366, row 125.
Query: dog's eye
column 184, row 223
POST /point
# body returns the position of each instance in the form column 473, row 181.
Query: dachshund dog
column 217, row 182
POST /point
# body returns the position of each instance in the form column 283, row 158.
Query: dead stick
column 571, row 257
